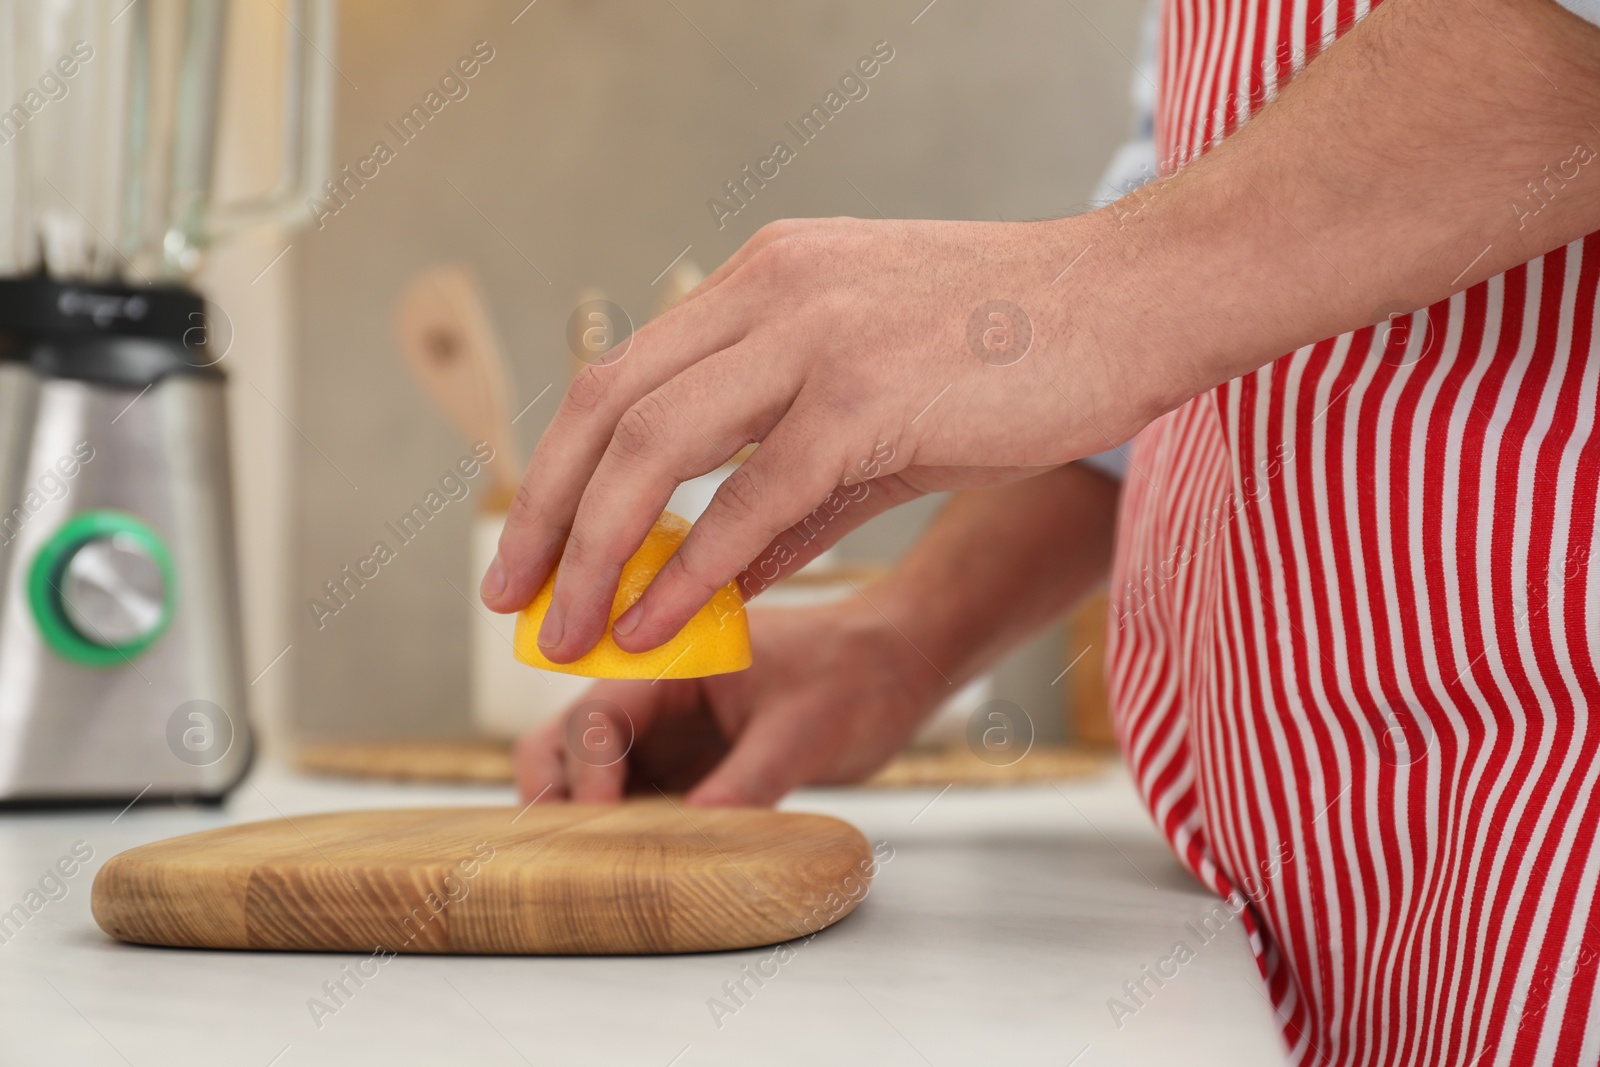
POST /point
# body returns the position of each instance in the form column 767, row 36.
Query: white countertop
column 998, row 933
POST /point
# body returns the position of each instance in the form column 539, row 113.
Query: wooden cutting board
column 645, row 877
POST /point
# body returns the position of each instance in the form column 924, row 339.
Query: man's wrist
column 1195, row 280
column 995, row 567
column 937, row 651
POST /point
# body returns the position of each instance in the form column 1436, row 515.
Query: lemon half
column 715, row 641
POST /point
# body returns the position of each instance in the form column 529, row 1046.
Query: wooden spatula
column 646, row 877
column 449, row 342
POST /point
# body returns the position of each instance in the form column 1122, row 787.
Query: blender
column 121, row 667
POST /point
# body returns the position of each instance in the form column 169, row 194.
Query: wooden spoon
column 449, row 342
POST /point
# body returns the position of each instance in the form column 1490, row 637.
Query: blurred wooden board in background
column 1088, row 701
column 488, row 762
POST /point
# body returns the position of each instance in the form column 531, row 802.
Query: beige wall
column 591, row 143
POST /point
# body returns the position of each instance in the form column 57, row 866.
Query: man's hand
column 1387, row 176
column 836, row 690
column 919, row 356
column 834, row 693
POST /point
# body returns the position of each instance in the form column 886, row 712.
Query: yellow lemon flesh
column 715, row 641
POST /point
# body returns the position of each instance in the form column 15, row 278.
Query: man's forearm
column 998, row 565
column 1438, row 143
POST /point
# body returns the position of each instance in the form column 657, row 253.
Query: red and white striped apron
column 1350, row 650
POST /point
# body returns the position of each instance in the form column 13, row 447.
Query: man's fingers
column 582, row 754
column 714, row 317
column 766, row 235
column 597, row 770
column 541, row 514
column 781, row 483
column 686, row 428
column 600, row 732
column 540, row 768
column 770, row 758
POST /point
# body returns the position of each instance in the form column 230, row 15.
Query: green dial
column 102, row 588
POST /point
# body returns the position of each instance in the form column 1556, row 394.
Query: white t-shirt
column 1584, row 9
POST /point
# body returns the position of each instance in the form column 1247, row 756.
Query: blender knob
column 102, row 588
column 113, row 592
